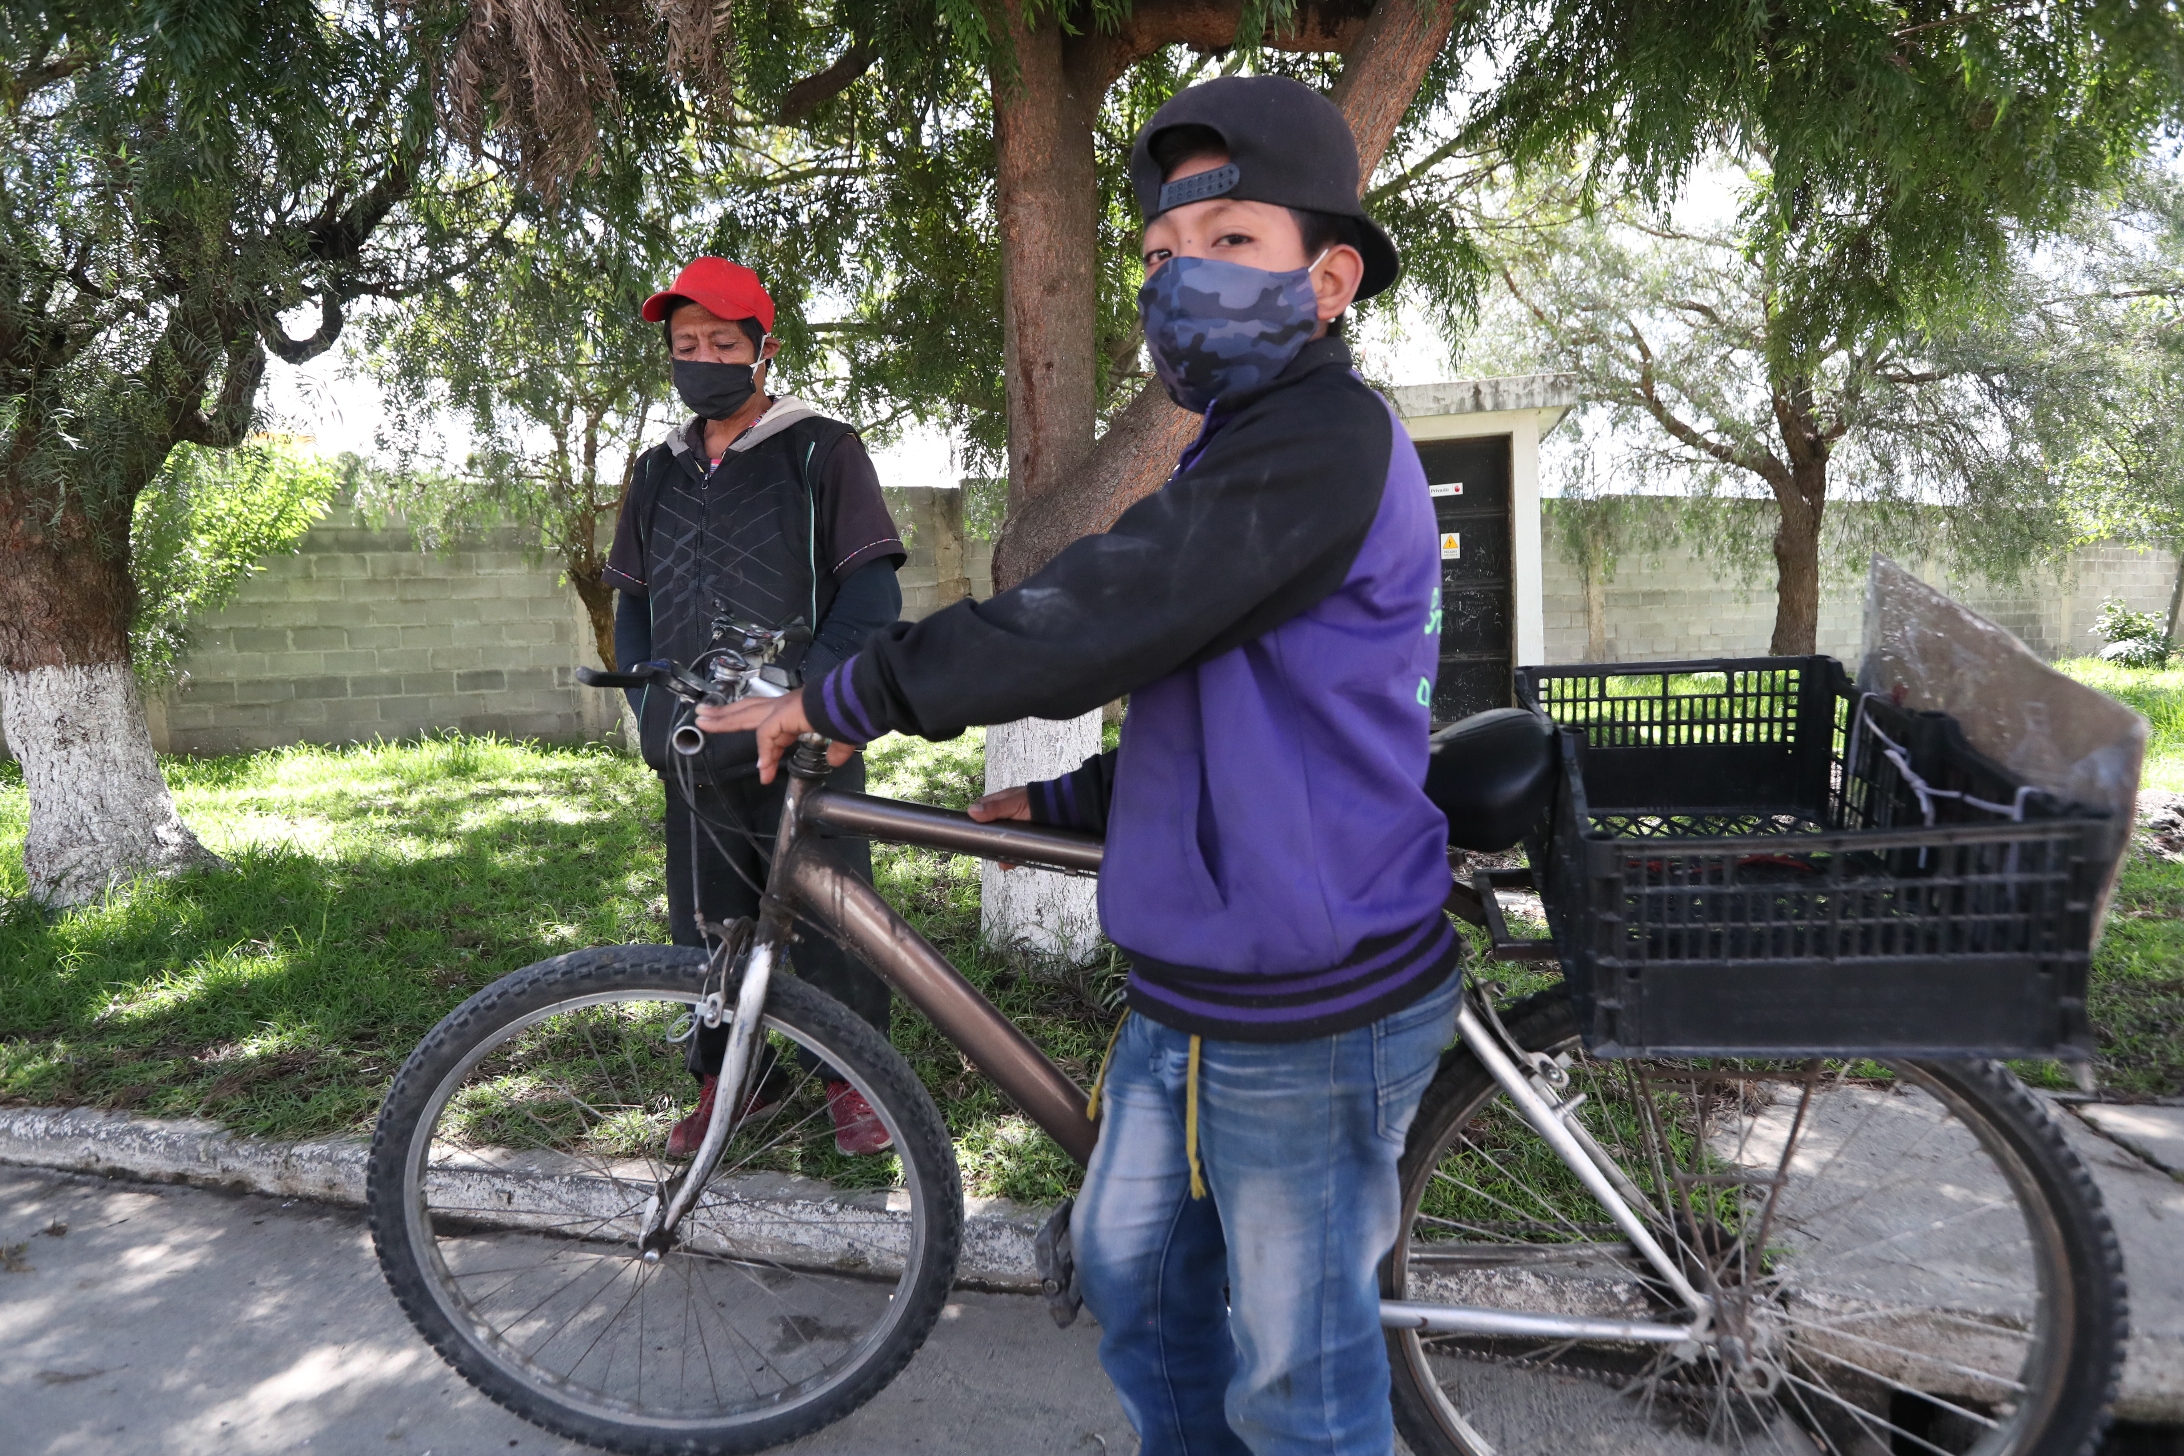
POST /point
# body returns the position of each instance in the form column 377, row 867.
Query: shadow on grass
column 370, row 891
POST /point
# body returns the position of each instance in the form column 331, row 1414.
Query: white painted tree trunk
column 1047, row 916
column 100, row 814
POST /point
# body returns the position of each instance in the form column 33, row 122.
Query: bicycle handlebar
column 593, row 678
column 732, row 672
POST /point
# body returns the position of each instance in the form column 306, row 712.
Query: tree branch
column 302, row 351
column 808, row 95
column 229, row 422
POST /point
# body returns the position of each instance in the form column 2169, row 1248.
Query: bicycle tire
column 2073, row 1353
column 629, row 981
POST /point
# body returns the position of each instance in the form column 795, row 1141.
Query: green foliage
column 1899, row 146
column 1669, row 324
column 540, row 354
column 2089, row 336
column 165, row 197
column 204, row 525
column 2135, row 639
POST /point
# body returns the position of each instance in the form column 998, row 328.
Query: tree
column 1893, row 154
column 539, row 352
column 2094, row 335
column 202, row 528
column 168, row 198
column 1670, row 328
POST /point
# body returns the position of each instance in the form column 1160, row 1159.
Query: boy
column 1274, row 871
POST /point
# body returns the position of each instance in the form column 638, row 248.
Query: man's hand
column 1003, row 804
column 778, row 722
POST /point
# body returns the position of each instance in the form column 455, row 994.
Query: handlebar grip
column 593, row 678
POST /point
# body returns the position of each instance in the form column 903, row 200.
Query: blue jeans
column 1249, row 1321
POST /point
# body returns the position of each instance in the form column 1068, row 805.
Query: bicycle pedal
column 1056, row 1257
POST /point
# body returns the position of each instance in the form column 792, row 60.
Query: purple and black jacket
column 1274, row 870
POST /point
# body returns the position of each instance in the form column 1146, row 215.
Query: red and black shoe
column 857, row 1128
column 684, row 1137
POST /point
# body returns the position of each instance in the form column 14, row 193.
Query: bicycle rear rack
column 1476, row 902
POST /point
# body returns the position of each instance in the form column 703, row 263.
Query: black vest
column 738, row 545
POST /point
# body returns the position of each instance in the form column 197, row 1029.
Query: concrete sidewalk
column 173, row 1321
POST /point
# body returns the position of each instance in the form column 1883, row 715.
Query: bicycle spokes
column 1868, row 1249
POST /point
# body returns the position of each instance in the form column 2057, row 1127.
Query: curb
column 997, row 1233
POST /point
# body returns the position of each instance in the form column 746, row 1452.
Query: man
column 1274, row 871
column 759, row 511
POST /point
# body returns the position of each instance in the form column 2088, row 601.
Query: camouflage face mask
column 1216, row 329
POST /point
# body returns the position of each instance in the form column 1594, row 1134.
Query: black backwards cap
column 1287, row 145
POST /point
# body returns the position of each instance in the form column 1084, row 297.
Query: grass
column 2158, row 692
column 373, row 888
column 2137, row 994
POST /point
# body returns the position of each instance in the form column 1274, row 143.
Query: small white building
column 1479, row 441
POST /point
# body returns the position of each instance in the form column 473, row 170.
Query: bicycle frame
column 807, row 879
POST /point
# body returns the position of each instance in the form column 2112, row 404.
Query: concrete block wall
column 1681, row 604
column 946, row 562
column 360, row 635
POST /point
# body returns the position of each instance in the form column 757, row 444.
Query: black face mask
column 713, row 391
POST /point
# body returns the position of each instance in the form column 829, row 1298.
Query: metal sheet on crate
column 1924, row 650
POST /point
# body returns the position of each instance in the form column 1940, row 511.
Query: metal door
column 1471, row 501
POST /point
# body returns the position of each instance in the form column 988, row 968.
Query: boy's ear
column 1336, row 280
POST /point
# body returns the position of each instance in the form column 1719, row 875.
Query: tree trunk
column 1044, row 917
column 2176, row 592
column 1797, row 560
column 1596, row 615
column 589, row 581
column 100, row 813
column 1048, row 205
column 1381, row 73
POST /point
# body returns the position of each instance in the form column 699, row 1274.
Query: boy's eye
column 1233, row 240
column 1157, row 257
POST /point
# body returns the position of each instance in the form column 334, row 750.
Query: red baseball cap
column 726, row 290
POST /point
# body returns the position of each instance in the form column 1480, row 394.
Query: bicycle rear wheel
column 1905, row 1257
column 514, row 1162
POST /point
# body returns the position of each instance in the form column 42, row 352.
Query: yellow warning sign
column 1452, row 545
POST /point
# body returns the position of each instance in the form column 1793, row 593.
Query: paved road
column 171, row 1321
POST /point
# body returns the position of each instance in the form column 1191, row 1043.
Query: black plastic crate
column 1746, row 857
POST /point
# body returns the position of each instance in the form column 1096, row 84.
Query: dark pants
column 731, row 865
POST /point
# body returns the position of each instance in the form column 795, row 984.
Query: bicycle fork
column 752, row 978
column 1529, row 1092
column 664, row 1212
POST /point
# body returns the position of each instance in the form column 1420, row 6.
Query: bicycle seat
column 1492, row 775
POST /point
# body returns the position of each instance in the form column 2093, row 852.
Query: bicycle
column 1669, row 1255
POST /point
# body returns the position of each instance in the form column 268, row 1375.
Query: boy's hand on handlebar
column 778, row 722
column 741, row 716
column 1003, row 804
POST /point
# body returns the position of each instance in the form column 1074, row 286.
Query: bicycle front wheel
column 1903, row 1257
column 518, row 1154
